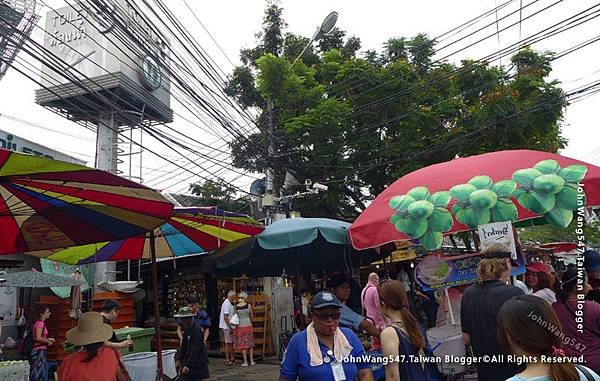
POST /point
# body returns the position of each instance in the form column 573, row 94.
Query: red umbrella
column 560, row 247
column 462, row 193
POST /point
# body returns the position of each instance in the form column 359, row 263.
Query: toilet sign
column 498, row 233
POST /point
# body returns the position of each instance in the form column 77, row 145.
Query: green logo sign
column 151, row 75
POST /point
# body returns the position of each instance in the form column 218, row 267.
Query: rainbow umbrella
column 49, row 204
column 188, row 231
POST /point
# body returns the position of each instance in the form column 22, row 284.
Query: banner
column 437, row 271
column 498, row 233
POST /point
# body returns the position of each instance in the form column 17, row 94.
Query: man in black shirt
column 109, row 312
column 192, row 359
column 479, row 309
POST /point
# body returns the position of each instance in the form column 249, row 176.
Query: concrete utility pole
column 269, row 203
column 106, row 159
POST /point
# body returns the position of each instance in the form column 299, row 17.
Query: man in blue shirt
column 200, row 317
column 304, row 361
column 340, row 285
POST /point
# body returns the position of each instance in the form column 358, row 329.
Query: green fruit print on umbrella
column 560, row 217
column 536, row 202
column 504, row 188
column 414, row 228
column 462, row 192
column 548, row 184
column 401, row 203
column 525, row 177
column 505, row 210
column 473, row 217
column 483, row 199
column 432, row 240
column 547, row 167
column 481, row 182
column 419, row 193
column 440, row 220
column 573, row 173
column 567, row 198
column 440, row 199
column 420, row 209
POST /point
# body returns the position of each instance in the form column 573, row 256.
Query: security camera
column 320, row 187
column 308, row 182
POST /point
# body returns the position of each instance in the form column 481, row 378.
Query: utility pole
column 106, row 159
column 269, row 202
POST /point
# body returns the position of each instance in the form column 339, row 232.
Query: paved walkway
column 261, row 371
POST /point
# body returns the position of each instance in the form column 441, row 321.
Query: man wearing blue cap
column 592, row 268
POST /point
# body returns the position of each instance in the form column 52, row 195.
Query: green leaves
column 420, row 209
column 538, row 203
column 505, row 210
column 483, row 199
column 560, row 217
column 440, row 220
column 440, row 199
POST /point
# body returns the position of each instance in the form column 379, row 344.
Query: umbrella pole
column 156, row 309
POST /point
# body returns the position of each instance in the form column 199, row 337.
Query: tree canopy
column 357, row 121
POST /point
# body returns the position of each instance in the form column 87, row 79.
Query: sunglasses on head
column 326, row 316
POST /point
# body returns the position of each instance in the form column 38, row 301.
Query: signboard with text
column 14, row 143
column 498, row 233
column 438, row 271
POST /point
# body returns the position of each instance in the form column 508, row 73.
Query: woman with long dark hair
column 569, row 296
column 94, row 361
column 402, row 337
column 529, row 328
column 41, row 342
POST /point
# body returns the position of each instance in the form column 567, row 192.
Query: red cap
column 538, row 267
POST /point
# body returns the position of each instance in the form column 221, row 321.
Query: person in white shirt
column 227, row 311
column 539, row 277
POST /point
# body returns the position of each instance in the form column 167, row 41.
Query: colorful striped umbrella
column 188, row 231
column 49, row 204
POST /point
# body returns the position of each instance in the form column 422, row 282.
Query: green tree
column 218, row 193
column 358, row 122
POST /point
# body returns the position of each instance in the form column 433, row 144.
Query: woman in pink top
column 37, row 360
column 576, row 343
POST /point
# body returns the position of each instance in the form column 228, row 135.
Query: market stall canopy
column 49, row 204
column 291, row 245
column 38, row 280
column 188, row 231
column 463, row 193
column 560, row 247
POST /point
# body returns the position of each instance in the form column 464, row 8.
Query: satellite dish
column 258, row 187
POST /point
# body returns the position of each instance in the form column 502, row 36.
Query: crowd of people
column 544, row 322
column 510, row 335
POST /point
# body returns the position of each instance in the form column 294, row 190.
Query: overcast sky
column 234, row 23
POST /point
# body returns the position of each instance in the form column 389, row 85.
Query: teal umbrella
column 291, row 245
column 38, row 280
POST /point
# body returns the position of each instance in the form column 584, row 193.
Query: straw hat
column 184, row 312
column 90, row 329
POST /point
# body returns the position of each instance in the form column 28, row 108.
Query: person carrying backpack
column 402, row 339
column 39, row 342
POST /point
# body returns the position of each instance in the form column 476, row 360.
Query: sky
column 233, row 25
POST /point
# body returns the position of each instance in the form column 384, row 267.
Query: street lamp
column 322, row 30
column 268, row 198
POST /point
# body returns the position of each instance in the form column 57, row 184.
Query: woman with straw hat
column 93, row 361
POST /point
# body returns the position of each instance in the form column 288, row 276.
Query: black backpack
column 27, row 342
